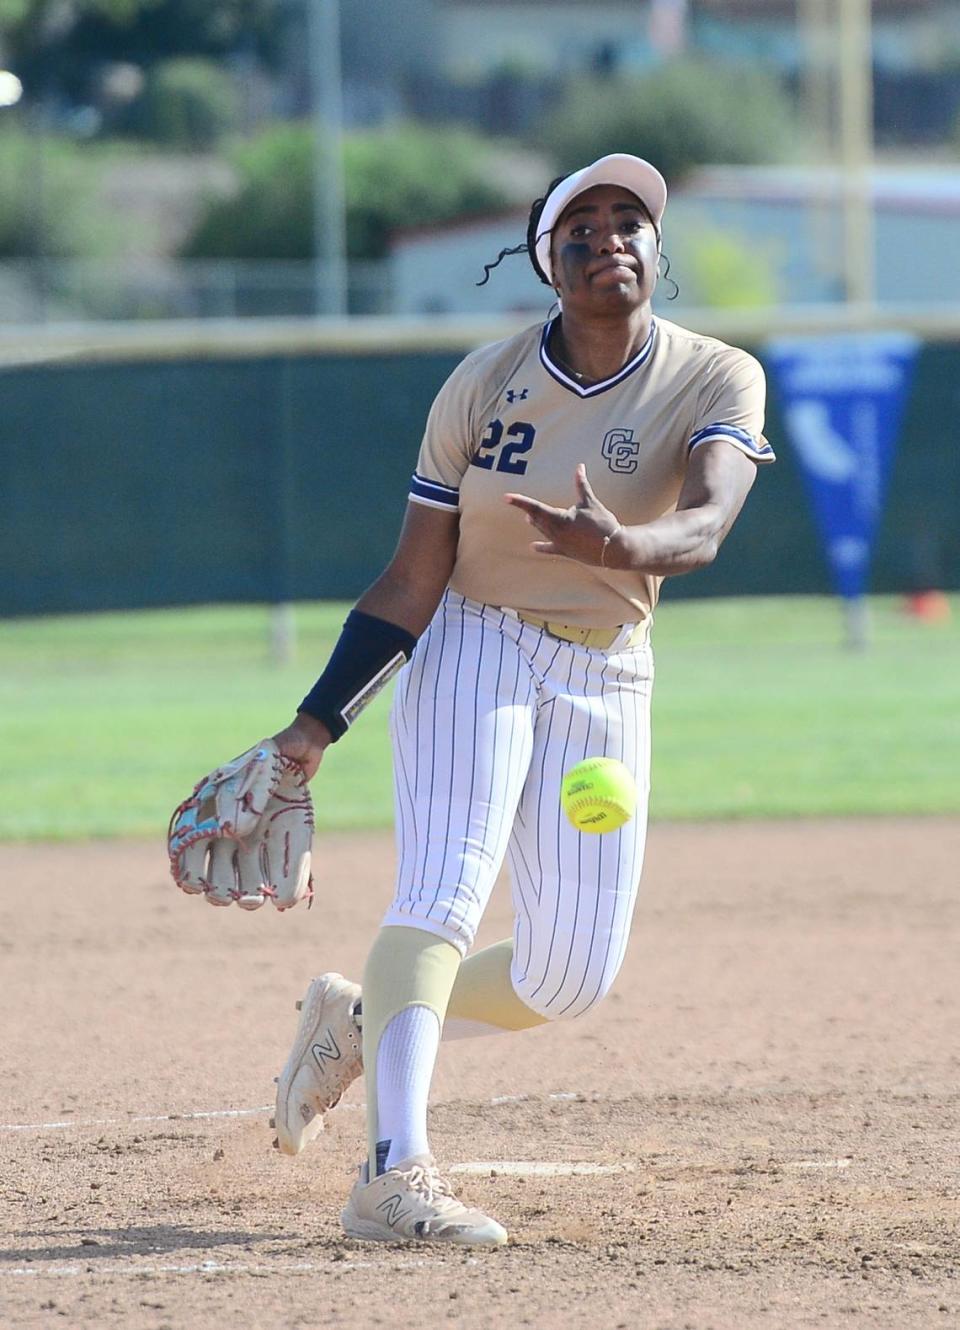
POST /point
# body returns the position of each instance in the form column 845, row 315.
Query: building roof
column 779, row 8
column 755, row 9
column 921, row 190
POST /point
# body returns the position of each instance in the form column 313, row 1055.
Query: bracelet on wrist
column 606, row 541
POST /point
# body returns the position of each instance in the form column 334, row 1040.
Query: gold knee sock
column 483, row 1000
column 407, row 967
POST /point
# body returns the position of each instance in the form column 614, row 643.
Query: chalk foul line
column 206, row 1113
column 125, row 1122
column 536, row 1168
column 72, row 1269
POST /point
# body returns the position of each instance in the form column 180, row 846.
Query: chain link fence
column 41, row 291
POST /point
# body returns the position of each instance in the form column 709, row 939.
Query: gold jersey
column 512, row 419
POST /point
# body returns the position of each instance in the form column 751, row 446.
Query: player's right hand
column 579, row 532
column 304, row 740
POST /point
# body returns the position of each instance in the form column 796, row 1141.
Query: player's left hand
column 245, row 833
column 577, row 532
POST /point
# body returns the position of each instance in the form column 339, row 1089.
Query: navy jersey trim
column 594, row 389
column 733, row 434
column 432, row 493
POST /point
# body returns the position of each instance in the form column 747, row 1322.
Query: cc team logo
column 620, row 449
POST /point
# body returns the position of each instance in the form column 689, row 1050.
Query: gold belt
column 602, row 638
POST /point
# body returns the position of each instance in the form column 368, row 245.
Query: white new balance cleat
column 412, row 1203
column 326, row 1058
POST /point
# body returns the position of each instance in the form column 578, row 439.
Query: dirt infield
column 769, row 1101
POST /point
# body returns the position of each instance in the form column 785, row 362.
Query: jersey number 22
column 519, row 438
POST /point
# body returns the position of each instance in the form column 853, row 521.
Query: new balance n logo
column 327, row 1051
column 392, row 1209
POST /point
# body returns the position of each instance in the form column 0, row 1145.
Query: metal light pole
column 856, row 148
column 329, row 257
column 329, row 230
column 667, row 27
column 814, row 20
column 816, row 87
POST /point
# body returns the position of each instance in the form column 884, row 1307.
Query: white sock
column 406, row 1056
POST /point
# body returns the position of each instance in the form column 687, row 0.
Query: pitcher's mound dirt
column 769, row 1101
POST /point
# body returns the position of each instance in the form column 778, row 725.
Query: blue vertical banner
column 843, row 400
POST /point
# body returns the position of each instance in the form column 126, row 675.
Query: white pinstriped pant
column 487, row 717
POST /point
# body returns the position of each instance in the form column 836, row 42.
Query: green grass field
column 107, row 720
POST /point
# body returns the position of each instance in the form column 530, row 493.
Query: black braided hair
column 665, row 276
column 530, row 245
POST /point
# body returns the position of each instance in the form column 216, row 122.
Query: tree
column 685, row 114
column 60, row 217
column 19, row 13
column 56, row 46
column 405, row 176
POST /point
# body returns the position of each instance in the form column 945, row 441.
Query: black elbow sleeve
column 369, row 652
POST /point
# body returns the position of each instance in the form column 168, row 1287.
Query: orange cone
column 932, row 606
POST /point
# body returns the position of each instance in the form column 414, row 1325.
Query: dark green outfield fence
column 273, row 477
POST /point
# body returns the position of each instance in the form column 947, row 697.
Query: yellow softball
column 598, row 794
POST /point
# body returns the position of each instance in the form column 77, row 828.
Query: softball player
column 629, row 444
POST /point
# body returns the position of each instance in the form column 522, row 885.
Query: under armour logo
column 517, row 394
column 328, row 1049
column 620, row 449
